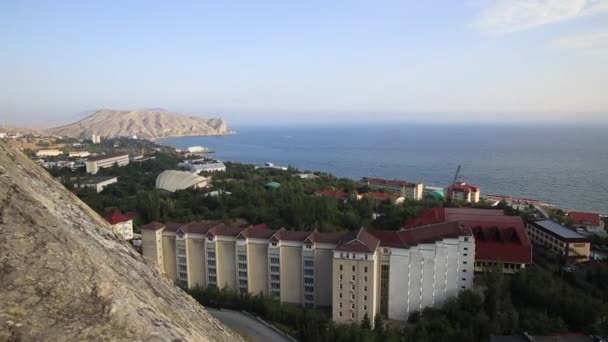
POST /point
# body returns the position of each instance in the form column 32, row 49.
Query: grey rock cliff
column 64, row 276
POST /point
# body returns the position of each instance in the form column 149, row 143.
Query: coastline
column 155, row 139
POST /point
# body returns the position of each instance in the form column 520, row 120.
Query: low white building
column 203, row 165
column 49, row 153
column 97, row 183
column 79, row 154
column 122, row 224
column 95, row 163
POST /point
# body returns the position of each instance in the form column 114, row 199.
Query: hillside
column 151, row 123
column 64, row 276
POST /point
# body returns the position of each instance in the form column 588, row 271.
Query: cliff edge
column 64, row 275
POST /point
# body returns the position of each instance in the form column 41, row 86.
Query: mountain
column 64, row 276
column 145, row 123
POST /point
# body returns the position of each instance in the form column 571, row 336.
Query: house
column 122, row 224
column 499, row 239
column 461, row 191
column 593, row 223
column 97, row 183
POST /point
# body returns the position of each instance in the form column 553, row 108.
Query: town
column 369, row 253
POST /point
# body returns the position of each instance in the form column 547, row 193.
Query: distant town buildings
column 97, row 183
column 357, row 273
column 49, row 153
column 559, row 239
column 271, row 166
column 591, row 222
column 122, row 224
column 172, row 180
column 93, row 164
column 203, row 165
column 78, row 154
column 499, row 239
column 461, row 191
column 95, row 139
column 405, row 189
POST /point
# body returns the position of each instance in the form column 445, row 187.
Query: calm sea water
column 567, row 166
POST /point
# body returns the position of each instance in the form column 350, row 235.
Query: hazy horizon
column 273, row 62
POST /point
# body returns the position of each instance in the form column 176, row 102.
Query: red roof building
column 498, row 238
column 461, row 191
column 341, row 195
column 584, row 219
column 117, row 217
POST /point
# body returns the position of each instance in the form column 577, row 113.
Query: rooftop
column 559, row 230
column 118, row 217
column 358, row 241
column 108, row 156
column 462, row 186
column 581, row 218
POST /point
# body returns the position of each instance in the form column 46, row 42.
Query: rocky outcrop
column 155, row 123
column 65, row 276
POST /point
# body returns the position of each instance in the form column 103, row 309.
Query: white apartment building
column 357, row 273
column 97, row 183
column 95, row 163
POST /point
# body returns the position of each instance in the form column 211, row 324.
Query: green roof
column 273, row 185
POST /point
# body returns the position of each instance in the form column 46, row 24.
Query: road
column 245, row 324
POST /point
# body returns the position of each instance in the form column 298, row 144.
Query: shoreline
column 155, row 139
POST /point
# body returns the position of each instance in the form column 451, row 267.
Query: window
column 365, row 269
column 386, row 250
column 466, row 239
column 365, row 297
column 354, row 268
column 242, row 257
column 274, row 285
column 243, row 282
column 274, row 269
column 340, row 305
column 353, row 278
column 274, row 260
column 352, row 315
column 340, row 286
column 340, row 277
column 352, row 306
column 340, row 295
column 308, row 246
column 365, row 278
column 365, row 288
column 274, row 244
column 340, row 267
column 211, row 263
column 308, row 272
column 211, row 255
column 352, row 296
column 365, row 256
column 243, row 274
column 340, row 313
column 464, row 270
column 209, row 239
column 242, row 266
column 464, row 279
column 364, row 307
column 465, row 254
column 464, row 262
column 309, row 289
column 466, row 248
column 308, row 263
column 347, row 255
column 353, row 287
column 308, row 280
column 274, row 277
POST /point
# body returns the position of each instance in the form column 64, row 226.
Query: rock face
column 143, row 123
column 64, row 276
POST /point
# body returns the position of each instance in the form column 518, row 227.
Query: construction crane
column 456, row 175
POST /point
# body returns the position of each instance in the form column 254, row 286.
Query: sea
column 563, row 165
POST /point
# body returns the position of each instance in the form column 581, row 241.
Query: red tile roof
column 380, row 195
column 290, row 235
column 497, row 237
column 225, row 230
column 424, row 234
column 253, row 232
column 586, row 219
column 172, row 226
column 117, row 217
column 329, row 237
column 196, row 227
column 463, row 187
column 332, row 193
column 387, row 182
column 358, row 241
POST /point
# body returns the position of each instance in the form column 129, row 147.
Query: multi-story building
column 357, row 273
column 408, row 190
column 122, row 224
column 461, row 191
column 591, row 222
column 560, row 240
column 97, row 183
column 95, row 139
column 499, row 239
column 79, row 154
column 49, row 153
column 93, row 164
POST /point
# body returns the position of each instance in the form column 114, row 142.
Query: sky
column 307, row 61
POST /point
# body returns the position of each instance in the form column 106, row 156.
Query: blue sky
column 316, row 61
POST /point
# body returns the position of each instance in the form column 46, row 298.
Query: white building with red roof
column 122, row 224
column 593, row 223
column 461, row 191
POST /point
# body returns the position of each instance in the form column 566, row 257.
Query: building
column 499, row 239
column 337, row 194
column 356, row 273
column 79, row 154
column 203, row 165
column 171, row 180
column 591, row 222
column 122, row 224
column 97, row 183
column 49, row 153
column 461, row 191
column 95, row 139
column 559, row 239
column 405, row 189
column 93, row 164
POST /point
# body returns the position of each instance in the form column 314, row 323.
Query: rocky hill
column 153, row 123
column 65, row 277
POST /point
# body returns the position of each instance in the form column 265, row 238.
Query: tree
column 366, row 323
column 379, row 327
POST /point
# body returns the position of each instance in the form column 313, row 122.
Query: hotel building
column 461, row 191
column 356, row 273
column 93, row 164
column 406, row 189
column 559, row 239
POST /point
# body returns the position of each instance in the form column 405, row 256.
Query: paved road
column 250, row 326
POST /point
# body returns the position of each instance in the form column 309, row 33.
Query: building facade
column 405, row 189
column 95, row 163
column 560, row 240
column 356, row 273
column 461, row 191
column 97, row 183
column 122, row 224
